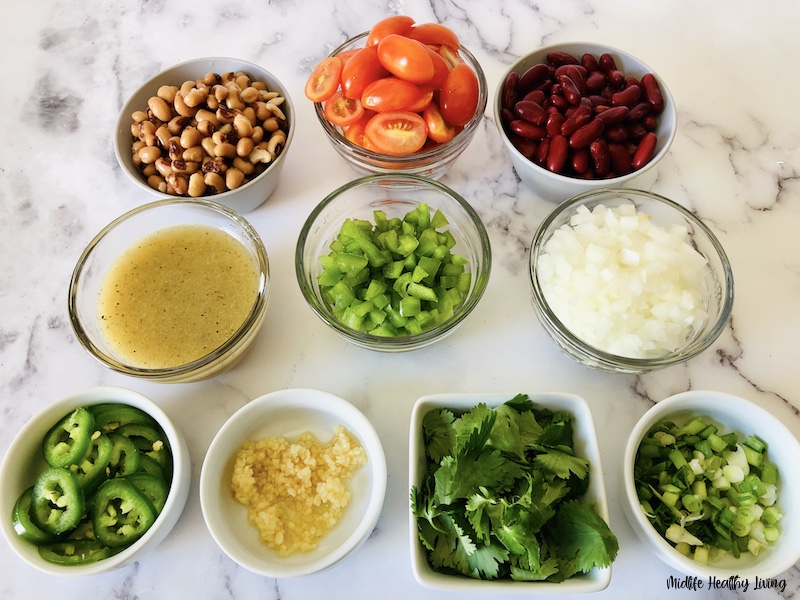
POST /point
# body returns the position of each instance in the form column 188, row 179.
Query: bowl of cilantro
column 507, row 495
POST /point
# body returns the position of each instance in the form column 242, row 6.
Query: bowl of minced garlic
column 293, row 482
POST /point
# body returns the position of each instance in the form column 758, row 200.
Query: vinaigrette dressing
column 177, row 295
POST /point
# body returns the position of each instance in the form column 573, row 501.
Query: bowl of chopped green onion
column 393, row 262
column 710, row 482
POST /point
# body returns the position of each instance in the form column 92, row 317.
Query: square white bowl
column 289, row 413
column 586, row 446
column 731, row 414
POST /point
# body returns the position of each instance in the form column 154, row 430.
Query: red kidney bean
column 636, row 131
column 652, row 92
column 617, row 132
column 627, row 97
column 616, row 78
column 569, row 90
column 561, row 58
column 578, row 76
column 589, row 62
column 601, row 157
column 596, row 81
column 558, row 101
column 639, row 111
column 541, row 152
column 527, row 130
column 535, row 96
column 580, row 161
column 557, row 153
column 650, row 122
column 586, row 134
column 579, row 118
column 510, row 90
column 506, row 116
column 612, row 115
column 531, row 112
column 620, row 159
column 644, row 151
column 553, row 125
column 597, row 100
column 526, row 147
column 607, row 63
column 534, row 76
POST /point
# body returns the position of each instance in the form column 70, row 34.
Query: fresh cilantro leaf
column 579, row 533
column 546, row 570
column 437, row 427
column 461, row 477
column 562, row 464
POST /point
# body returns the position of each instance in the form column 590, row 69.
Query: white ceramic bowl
column 23, row 462
column 732, row 414
column 586, row 446
column 242, row 199
column 557, row 187
column 289, row 413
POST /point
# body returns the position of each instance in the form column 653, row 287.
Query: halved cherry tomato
column 426, row 96
column 394, row 24
column 390, row 94
column 341, row 110
column 362, row 69
column 438, row 130
column 459, row 96
column 324, row 80
column 396, row 133
column 440, row 69
column 434, row 34
column 346, row 55
column 355, row 131
column 405, row 58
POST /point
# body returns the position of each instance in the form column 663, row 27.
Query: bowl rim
column 576, row 182
column 122, row 123
column 169, row 373
column 422, row 156
column 684, row 402
column 176, row 499
column 585, row 434
column 405, row 342
column 311, row 400
column 635, row 364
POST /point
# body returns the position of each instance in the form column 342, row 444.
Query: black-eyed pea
column 164, row 166
column 160, row 109
column 182, row 108
column 218, row 137
column 271, row 124
column 211, row 79
column 179, row 182
column 225, row 114
column 194, row 154
column 260, row 154
column 220, row 92
column 214, row 165
column 242, row 80
column 136, row 160
column 149, row 170
column 276, row 143
column 259, row 85
column 174, row 148
column 136, row 129
column 250, row 113
column 266, row 95
column 187, row 86
column 147, row 134
column 157, row 183
column 190, row 137
column 163, row 134
column 208, row 144
column 234, row 101
column 138, row 116
column 233, row 178
column 167, row 92
column 185, row 167
column 244, row 147
column 249, row 94
column 244, row 166
column 177, row 124
column 212, row 103
column 258, row 134
column 137, row 145
column 242, row 126
column 215, row 181
column 227, row 77
column 225, row 150
column 261, row 110
column 196, row 97
column 197, row 185
column 149, row 154
column 206, row 128
column 275, row 110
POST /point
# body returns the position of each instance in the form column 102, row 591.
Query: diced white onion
column 623, row 284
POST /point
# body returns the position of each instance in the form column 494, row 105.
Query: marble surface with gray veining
column 68, row 67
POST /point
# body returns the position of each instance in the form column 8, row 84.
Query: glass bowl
column 396, row 195
column 125, row 233
column 555, row 186
column 432, row 163
column 717, row 293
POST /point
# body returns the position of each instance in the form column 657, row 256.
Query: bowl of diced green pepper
column 93, row 482
column 710, row 480
column 393, row 262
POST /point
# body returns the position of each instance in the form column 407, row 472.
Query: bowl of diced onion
column 710, row 484
column 628, row 281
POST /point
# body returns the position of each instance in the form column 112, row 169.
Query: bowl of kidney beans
column 581, row 116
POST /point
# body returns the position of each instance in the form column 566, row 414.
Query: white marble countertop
column 69, row 66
